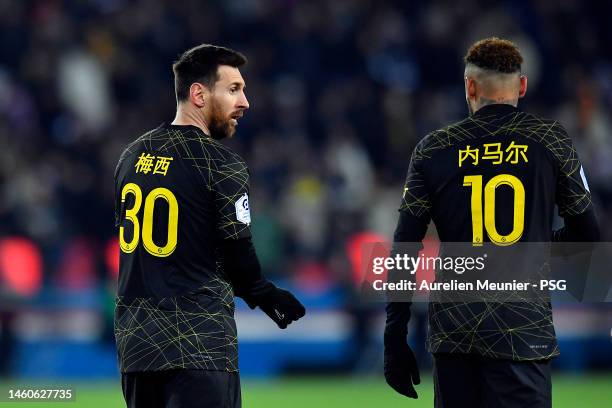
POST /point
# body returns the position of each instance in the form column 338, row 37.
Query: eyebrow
column 240, row 84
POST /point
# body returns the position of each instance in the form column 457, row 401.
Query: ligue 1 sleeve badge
column 243, row 213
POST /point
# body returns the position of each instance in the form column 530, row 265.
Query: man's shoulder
column 222, row 153
column 532, row 122
column 545, row 130
column 187, row 143
column 197, row 146
column 442, row 138
column 142, row 142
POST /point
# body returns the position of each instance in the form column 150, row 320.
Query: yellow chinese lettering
column 161, row 165
column 514, row 151
column 493, row 151
column 468, row 153
column 144, row 163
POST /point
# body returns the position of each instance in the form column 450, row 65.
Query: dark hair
column 200, row 64
column 495, row 54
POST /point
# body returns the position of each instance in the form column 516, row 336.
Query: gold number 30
column 147, row 221
column 518, row 224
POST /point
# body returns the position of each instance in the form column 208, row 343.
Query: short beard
column 218, row 125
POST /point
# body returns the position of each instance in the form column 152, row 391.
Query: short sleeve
column 573, row 196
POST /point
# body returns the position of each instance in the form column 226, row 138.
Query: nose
column 243, row 103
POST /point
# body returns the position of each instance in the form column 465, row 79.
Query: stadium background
column 340, row 93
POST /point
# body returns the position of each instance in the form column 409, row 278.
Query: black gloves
column 401, row 369
column 280, row 305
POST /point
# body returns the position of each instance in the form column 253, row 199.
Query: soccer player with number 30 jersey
column 182, row 208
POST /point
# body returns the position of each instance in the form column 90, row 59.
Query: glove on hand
column 401, row 369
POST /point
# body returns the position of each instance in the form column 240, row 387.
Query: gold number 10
column 518, row 224
column 147, row 221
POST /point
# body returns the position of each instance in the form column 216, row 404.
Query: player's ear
column 523, row 85
column 198, row 94
column 470, row 88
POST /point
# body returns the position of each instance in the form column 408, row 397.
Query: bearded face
column 225, row 103
column 222, row 122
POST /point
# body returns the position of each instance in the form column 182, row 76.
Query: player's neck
column 495, row 99
column 188, row 117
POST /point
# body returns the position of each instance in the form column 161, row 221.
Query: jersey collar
column 496, row 109
column 184, row 127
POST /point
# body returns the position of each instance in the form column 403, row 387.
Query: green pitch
column 334, row 392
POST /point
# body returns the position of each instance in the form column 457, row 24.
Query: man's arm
column 401, row 369
column 230, row 185
column 244, row 272
column 407, row 239
column 578, row 228
column 573, row 195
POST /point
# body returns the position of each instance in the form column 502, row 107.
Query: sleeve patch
column 243, row 213
column 584, row 180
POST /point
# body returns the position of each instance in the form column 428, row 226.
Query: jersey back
column 178, row 194
column 495, row 178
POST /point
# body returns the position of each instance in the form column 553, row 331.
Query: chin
column 230, row 131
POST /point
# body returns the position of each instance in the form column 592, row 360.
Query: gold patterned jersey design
column 572, row 197
column 194, row 331
column 177, row 311
column 499, row 141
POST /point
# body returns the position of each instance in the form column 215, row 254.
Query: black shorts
column 467, row 380
column 181, row 389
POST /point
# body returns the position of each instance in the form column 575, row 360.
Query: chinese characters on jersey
column 494, row 153
column 157, row 164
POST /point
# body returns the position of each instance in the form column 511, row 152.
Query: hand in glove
column 280, row 305
column 401, row 369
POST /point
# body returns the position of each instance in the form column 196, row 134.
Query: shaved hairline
column 490, row 78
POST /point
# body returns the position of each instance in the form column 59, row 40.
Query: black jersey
column 178, row 194
column 495, row 177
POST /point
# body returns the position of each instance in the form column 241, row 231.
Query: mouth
column 234, row 118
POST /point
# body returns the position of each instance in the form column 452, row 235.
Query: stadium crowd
column 340, row 93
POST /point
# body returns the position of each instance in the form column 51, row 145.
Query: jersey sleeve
column 573, row 196
column 415, row 196
column 118, row 206
column 230, row 186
